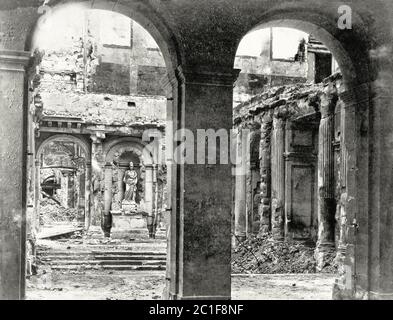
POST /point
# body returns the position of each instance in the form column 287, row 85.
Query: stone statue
column 131, row 180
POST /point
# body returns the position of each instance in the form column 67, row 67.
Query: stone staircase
column 102, row 259
column 93, row 252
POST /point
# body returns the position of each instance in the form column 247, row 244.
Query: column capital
column 328, row 101
column 204, row 75
column 356, row 95
column 12, row 60
column 279, row 123
column 97, row 137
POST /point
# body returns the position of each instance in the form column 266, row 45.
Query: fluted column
column 106, row 222
column 155, row 203
column 342, row 214
column 97, row 176
column 249, row 181
column 37, row 192
column 149, row 196
column 240, row 188
column 87, row 195
column 278, row 178
column 265, row 172
column 326, row 198
column 120, row 193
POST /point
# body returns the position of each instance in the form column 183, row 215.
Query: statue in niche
column 131, row 180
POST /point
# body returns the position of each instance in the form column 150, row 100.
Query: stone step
column 101, row 253
column 99, row 257
column 109, row 267
column 148, row 253
column 104, row 262
column 133, row 257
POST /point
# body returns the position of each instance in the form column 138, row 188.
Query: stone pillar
column 265, row 171
column 249, row 184
column 65, row 179
column 377, row 227
column 115, row 202
column 31, row 221
column 171, row 87
column 120, row 194
column 149, row 196
column 37, row 193
column 13, row 109
column 356, row 217
column 155, row 201
column 87, row 195
column 326, row 197
column 278, row 178
column 240, row 187
column 97, row 176
column 343, row 222
column 106, row 220
column 201, row 216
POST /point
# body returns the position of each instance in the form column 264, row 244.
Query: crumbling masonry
column 294, row 185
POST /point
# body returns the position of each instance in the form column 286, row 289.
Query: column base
column 340, row 255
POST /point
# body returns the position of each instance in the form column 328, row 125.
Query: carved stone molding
column 356, row 95
column 207, row 76
column 11, row 60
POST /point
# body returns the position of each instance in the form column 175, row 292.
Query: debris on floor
column 51, row 212
column 263, row 254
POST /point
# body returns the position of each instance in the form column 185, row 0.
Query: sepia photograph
column 204, row 150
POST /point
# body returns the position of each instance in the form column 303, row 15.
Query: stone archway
column 87, row 174
column 356, row 101
column 17, row 62
column 201, row 251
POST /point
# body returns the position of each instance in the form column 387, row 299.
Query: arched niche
column 117, row 147
column 118, row 153
column 86, row 177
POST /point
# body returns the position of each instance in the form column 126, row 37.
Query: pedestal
column 129, row 207
column 126, row 220
column 123, row 224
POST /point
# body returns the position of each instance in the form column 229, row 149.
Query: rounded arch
column 127, row 144
column 346, row 47
column 135, row 10
column 65, row 138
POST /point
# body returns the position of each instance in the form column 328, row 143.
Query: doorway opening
column 287, row 200
column 96, row 193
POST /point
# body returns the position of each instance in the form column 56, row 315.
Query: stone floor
column 102, row 284
column 107, row 285
column 311, row 286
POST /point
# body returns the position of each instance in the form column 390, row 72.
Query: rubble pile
column 51, row 212
column 263, row 254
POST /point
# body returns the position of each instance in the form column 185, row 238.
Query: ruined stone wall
column 298, row 108
column 258, row 73
column 128, row 60
column 107, row 70
column 105, row 108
